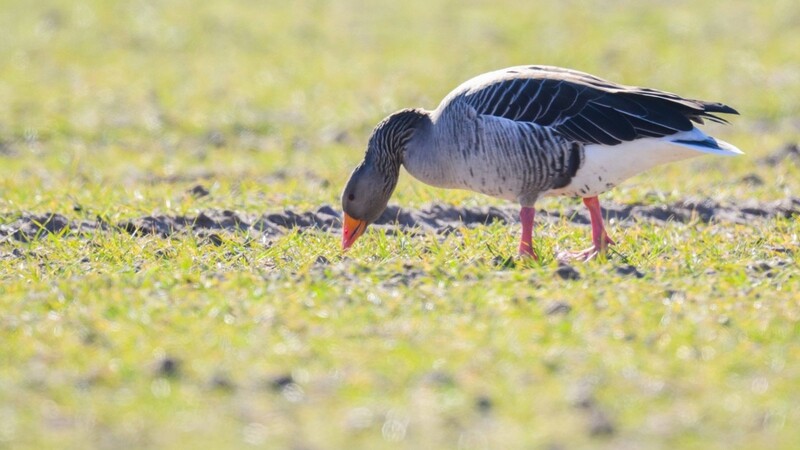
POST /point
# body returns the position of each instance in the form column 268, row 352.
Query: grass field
column 111, row 111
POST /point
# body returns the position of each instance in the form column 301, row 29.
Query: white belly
column 605, row 166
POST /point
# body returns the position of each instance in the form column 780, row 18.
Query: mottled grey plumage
column 523, row 132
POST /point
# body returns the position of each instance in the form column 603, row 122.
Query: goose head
column 373, row 181
column 364, row 199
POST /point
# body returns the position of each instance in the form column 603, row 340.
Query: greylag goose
column 530, row 131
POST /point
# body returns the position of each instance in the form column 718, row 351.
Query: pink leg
column 600, row 239
column 526, row 215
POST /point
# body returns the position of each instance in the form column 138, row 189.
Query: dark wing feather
column 583, row 107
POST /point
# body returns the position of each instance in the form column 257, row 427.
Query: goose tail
column 697, row 140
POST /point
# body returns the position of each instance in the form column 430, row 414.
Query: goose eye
column 351, row 197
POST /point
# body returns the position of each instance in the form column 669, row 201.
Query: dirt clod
column 222, row 382
column 628, row 269
column 438, row 378
column 752, row 179
column 789, row 152
column 168, row 367
column 567, row 272
column 760, row 266
column 279, row 382
column 767, row 268
column 483, row 404
column 35, row 226
column 215, row 239
column 199, row 191
column 558, row 308
column 216, row 138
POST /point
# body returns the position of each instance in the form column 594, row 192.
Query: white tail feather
column 697, row 140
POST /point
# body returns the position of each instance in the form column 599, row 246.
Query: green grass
column 116, row 109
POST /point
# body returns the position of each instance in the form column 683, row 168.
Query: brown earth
column 437, row 218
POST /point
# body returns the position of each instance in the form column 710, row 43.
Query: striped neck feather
column 389, row 138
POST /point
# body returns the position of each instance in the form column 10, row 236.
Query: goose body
column 531, row 131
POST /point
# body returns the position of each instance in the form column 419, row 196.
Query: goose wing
column 583, row 107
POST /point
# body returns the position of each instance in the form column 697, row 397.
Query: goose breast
column 462, row 149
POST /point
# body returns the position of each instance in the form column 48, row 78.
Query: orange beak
column 352, row 229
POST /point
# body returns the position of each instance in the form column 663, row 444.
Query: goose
column 526, row 132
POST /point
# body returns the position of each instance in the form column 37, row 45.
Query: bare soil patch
column 437, row 218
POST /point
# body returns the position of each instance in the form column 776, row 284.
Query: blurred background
column 115, row 110
column 272, row 102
